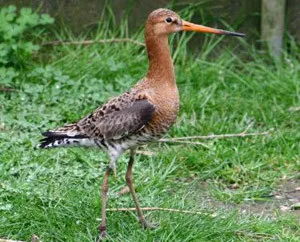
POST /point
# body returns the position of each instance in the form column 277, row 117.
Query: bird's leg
column 104, row 189
column 113, row 166
column 129, row 181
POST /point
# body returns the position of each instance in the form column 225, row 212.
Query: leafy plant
column 7, row 75
column 15, row 31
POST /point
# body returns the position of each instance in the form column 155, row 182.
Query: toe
column 147, row 225
column 102, row 236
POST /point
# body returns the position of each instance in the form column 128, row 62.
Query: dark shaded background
column 242, row 15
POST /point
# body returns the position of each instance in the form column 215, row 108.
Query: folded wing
column 117, row 122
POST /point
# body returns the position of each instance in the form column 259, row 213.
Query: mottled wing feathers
column 119, row 121
column 119, row 117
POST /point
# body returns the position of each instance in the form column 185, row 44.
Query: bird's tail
column 57, row 139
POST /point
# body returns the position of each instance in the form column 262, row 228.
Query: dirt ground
column 285, row 199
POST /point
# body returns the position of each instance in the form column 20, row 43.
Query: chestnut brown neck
column 161, row 67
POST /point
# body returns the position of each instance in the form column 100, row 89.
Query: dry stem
column 180, row 141
column 294, row 109
column 215, row 136
column 241, row 233
column 156, row 209
column 7, row 89
column 145, row 152
column 91, row 42
column 9, row 240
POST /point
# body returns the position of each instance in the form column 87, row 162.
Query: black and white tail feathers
column 55, row 139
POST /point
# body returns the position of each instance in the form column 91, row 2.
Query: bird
column 141, row 115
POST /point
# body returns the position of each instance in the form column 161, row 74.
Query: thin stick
column 155, row 209
column 7, row 89
column 248, row 127
column 9, row 240
column 145, row 152
column 241, row 233
column 91, row 42
column 294, row 109
column 180, row 141
column 216, row 136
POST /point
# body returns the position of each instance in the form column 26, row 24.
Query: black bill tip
column 232, row 33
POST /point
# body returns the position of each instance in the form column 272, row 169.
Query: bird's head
column 164, row 21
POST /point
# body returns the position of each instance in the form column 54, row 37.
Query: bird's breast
column 166, row 110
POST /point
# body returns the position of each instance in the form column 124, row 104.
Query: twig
column 7, row 89
column 9, row 240
column 157, row 209
column 294, row 109
column 241, row 233
column 180, row 141
column 216, row 136
column 91, row 42
column 145, row 152
column 247, row 128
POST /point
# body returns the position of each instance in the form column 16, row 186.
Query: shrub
column 18, row 30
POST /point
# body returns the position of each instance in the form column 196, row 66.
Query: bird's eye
column 169, row 19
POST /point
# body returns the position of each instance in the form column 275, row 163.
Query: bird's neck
column 161, row 69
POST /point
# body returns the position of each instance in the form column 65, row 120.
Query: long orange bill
column 187, row 26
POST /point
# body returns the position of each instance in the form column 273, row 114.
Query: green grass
column 56, row 193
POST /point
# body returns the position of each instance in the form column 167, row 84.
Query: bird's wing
column 117, row 119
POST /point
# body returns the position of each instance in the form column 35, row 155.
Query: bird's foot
column 147, row 225
column 103, row 233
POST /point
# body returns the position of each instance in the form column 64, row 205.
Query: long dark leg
column 104, row 189
column 129, row 181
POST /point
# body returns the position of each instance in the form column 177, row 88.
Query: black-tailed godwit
column 139, row 116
